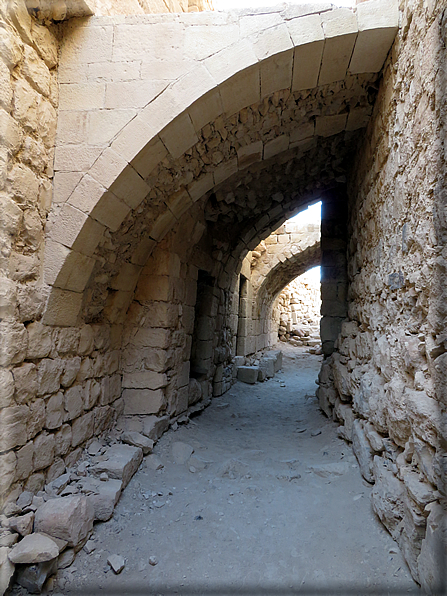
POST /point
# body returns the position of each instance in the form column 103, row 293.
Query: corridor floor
column 272, row 502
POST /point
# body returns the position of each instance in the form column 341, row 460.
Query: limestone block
column 14, row 342
column 86, row 340
column 432, row 560
column 62, row 308
column 165, row 39
column 67, row 518
column 25, row 457
column 104, row 419
column 193, row 86
column 249, row 154
column 45, row 43
column 63, row 440
column 308, row 38
column 106, row 496
column 143, row 401
column 71, row 369
column 267, row 366
column 92, row 393
column 206, row 109
column 7, row 470
column 146, row 379
column 11, row 215
column 48, row 375
column 6, row 569
column 11, row 47
column 55, row 412
column 39, row 340
column 82, row 429
column 23, row 524
column 248, row 374
column 149, row 157
column 36, row 71
column 327, row 126
column 340, row 32
column 10, row 133
column 121, row 463
column 362, row 450
column 424, row 414
column 6, row 388
column 73, row 401
column 5, row 87
column 43, row 451
column 179, row 136
column 154, row 426
column 378, row 23
column 163, row 224
column 130, row 187
column 138, row 440
column 34, row 548
column 224, row 64
column 36, row 420
column 387, row 496
column 241, row 90
column 13, row 422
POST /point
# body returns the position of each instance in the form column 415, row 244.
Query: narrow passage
column 271, row 499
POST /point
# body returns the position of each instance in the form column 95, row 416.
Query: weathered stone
column 55, row 412
column 6, row 569
column 24, row 526
column 43, row 451
column 34, row 548
column 248, row 374
column 387, row 497
column 68, row 518
column 362, row 450
column 181, row 452
column 121, row 462
column 138, row 440
column 66, row 558
column 154, row 427
column 33, row 577
column 82, row 428
column 25, row 379
column 107, row 494
column 117, row 563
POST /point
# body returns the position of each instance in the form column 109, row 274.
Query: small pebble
column 103, row 476
column 153, row 561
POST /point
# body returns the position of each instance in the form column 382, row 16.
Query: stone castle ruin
column 147, row 149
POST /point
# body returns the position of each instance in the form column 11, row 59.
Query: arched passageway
column 167, row 173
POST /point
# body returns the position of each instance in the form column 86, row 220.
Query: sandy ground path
column 272, row 502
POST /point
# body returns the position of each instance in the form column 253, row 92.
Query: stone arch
column 279, row 54
column 277, row 279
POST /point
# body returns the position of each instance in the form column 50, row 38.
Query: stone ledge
column 61, row 10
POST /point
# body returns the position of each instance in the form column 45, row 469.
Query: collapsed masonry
column 143, row 157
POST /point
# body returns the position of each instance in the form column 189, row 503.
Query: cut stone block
column 121, row 462
column 248, row 374
column 154, row 427
column 267, row 366
column 362, row 450
column 138, row 440
column 68, row 518
column 106, row 496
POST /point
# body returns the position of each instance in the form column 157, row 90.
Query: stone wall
column 286, row 253
column 298, row 305
column 386, row 381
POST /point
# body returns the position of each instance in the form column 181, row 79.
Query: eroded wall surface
column 386, row 381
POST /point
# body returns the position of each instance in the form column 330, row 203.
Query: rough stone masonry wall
column 56, row 384
column 286, row 253
column 299, row 303
column 386, row 381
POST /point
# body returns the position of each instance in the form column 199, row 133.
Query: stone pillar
column 334, row 277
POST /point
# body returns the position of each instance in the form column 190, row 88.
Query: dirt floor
column 271, row 502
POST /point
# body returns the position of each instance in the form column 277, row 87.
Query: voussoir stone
column 34, row 548
column 68, row 518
